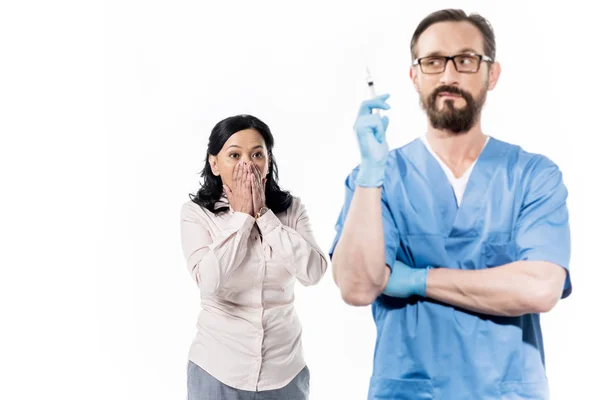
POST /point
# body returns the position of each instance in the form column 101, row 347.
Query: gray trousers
column 202, row 386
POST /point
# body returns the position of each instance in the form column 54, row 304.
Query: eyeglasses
column 468, row 63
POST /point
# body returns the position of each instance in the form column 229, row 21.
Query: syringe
column 371, row 88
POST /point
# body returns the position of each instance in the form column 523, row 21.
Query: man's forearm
column 513, row 289
column 359, row 258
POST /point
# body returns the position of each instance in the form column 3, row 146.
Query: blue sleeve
column 542, row 230
column 391, row 235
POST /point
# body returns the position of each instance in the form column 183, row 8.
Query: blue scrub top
column 514, row 208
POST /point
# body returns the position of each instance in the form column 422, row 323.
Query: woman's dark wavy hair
column 212, row 189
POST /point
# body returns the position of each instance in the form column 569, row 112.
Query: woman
column 246, row 242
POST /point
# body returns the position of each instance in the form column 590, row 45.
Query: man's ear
column 494, row 75
column 413, row 77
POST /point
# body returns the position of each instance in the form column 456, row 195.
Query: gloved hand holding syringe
column 370, row 129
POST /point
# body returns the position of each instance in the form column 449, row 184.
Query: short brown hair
column 454, row 15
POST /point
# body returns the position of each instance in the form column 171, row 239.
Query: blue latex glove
column 406, row 281
column 370, row 131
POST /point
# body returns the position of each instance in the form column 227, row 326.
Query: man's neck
column 457, row 151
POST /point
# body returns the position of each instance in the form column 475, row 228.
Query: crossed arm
column 361, row 273
column 513, row 289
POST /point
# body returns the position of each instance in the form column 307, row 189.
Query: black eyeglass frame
column 480, row 57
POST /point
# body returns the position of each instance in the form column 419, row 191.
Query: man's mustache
column 449, row 89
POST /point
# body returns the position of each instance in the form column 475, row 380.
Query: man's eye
column 466, row 60
column 433, row 62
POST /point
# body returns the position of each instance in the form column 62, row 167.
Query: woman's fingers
column 254, row 190
column 260, row 181
column 249, row 192
column 248, row 188
column 257, row 195
column 247, row 178
column 255, row 170
column 236, row 175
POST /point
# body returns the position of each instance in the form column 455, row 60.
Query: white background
column 105, row 111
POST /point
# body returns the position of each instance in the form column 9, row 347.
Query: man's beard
column 449, row 118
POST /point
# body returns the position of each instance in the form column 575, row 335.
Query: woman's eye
column 258, row 155
column 234, row 155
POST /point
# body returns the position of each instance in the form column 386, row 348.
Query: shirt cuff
column 241, row 221
column 268, row 222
